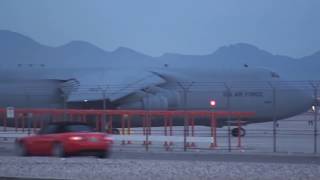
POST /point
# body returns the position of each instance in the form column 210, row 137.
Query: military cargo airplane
column 250, row 89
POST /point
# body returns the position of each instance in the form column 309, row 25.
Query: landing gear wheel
column 20, row 149
column 236, row 131
column 57, row 150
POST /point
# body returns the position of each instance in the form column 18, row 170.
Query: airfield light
column 213, row 103
column 85, row 100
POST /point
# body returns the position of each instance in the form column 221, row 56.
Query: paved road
column 224, row 157
column 6, row 149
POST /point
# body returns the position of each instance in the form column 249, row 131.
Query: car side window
column 50, row 129
column 78, row 128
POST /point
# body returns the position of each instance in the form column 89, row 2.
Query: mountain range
column 19, row 50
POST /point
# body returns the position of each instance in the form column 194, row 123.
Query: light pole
column 104, row 106
column 103, row 90
column 274, row 116
column 229, row 94
column 315, row 87
column 185, row 88
column 213, row 124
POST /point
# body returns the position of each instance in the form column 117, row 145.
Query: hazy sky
column 288, row 27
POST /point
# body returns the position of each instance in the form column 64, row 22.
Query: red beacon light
column 213, row 103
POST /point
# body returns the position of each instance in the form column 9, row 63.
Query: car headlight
column 75, row 138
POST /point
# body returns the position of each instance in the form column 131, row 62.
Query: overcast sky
column 153, row 27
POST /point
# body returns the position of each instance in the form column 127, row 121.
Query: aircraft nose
column 304, row 99
column 293, row 101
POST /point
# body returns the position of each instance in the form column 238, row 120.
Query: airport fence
column 185, row 107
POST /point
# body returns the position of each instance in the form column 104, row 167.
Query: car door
column 43, row 142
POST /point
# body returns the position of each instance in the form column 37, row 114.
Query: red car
column 62, row 139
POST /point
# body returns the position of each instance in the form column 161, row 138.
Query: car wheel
column 57, row 150
column 20, row 149
column 104, row 154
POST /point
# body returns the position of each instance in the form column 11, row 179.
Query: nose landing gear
column 238, row 131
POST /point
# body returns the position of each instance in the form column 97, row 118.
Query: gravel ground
column 92, row 168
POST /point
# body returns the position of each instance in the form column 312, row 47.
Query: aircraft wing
column 111, row 85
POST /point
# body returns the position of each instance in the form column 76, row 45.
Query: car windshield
column 78, row 128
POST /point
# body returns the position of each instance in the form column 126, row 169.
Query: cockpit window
column 275, row 75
